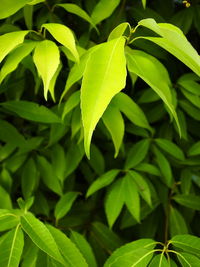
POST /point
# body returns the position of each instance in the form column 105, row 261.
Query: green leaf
column 154, row 74
column 194, row 149
column 84, row 248
column 97, row 161
column 131, row 196
column 114, row 201
column 11, row 248
column 159, row 261
column 192, row 111
column 9, row 134
column 9, row 7
column 132, row 111
column 103, row 10
column 63, row 35
column 9, row 41
column 58, row 161
column 71, row 103
column 8, row 219
column 164, row 166
column 64, row 205
column 31, row 111
column 144, row 3
column 170, row 148
column 47, row 59
column 114, row 122
column 137, row 253
column 48, row 176
column 173, row 40
column 106, row 69
column 188, row 260
column 188, row 243
column 137, row 153
column 69, row 251
column 41, row 236
column 177, row 223
column 28, row 16
column 15, row 57
column 75, row 9
column 5, row 200
column 149, row 168
column 143, row 187
column 105, row 236
column 189, row 200
column 30, row 177
column 119, row 31
column 103, row 181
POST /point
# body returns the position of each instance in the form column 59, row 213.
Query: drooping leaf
column 137, row 153
column 11, row 248
column 9, row 7
column 15, row 57
column 144, row 3
column 31, row 111
column 84, row 247
column 63, row 35
column 114, row 201
column 159, row 261
column 71, row 103
column 106, row 71
column 114, row 122
column 154, row 74
column 194, row 149
column 174, row 41
column 47, row 59
column 104, row 180
column 64, row 204
column 137, row 253
column 9, row 41
column 132, row 111
column 70, row 252
column 5, row 199
column 189, row 200
column 29, row 180
column 75, row 9
column 41, row 236
column 103, row 10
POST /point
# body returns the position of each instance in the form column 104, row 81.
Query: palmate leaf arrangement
column 100, row 100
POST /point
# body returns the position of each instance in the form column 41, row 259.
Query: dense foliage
column 99, row 131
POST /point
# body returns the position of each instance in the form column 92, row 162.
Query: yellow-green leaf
column 46, row 58
column 103, row 78
column 63, row 35
column 9, row 7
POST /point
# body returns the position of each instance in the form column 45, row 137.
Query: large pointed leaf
column 177, row 223
column 46, row 58
column 114, row 122
column 9, row 41
column 9, row 7
column 63, row 35
column 15, row 57
column 41, row 236
column 159, row 261
column 189, row 200
column 69, row 251
column 188, row 260
column 11, row 248
column 154, row 74
column 114, row 201
column 103, row 10
column 104, row 77
column 75, row 9
column 175, row 42
column 135, row 254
